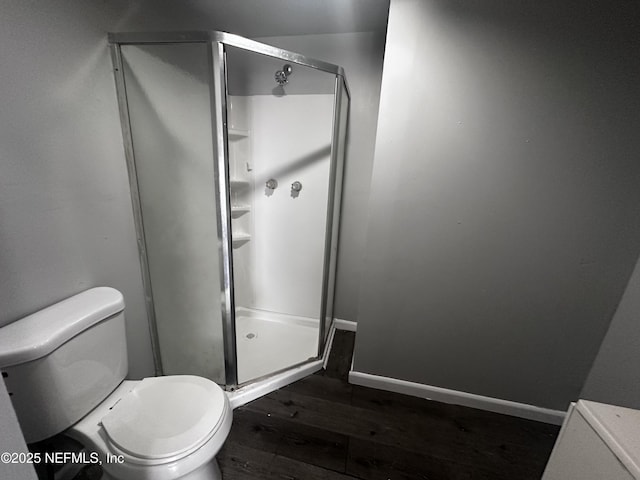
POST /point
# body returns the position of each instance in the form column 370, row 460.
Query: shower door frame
column 216, row 53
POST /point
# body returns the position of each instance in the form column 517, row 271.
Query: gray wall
column 12, row 441
column 65, row 210
column 614, row 377
column 361, row 55
column 504, row 215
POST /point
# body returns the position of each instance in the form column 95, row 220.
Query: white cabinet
column 597, row 442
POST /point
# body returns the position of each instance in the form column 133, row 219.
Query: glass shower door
column 280, row 120
column 166, row 91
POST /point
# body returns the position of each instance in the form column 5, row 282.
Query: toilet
column 65, row 367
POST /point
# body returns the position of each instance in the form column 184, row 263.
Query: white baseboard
column 348, row 325
column 456, row 397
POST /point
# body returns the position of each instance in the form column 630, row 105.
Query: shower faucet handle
column 296, row 186
column 272, row 184
column 282, row 76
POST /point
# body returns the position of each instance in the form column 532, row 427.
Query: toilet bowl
column 64, row 368
column 162, row 428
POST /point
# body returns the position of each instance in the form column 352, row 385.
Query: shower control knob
column 272, row 184
column 282, row 76
column 296, row 186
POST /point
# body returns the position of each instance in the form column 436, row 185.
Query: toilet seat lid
column 166, row 416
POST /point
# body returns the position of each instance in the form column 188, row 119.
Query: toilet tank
column 61, row 362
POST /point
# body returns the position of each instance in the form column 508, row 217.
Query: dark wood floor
column 324, row 428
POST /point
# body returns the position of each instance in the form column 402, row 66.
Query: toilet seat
column 90, row 432
column 164, row 419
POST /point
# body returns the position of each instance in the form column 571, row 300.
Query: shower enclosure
column 235, row 154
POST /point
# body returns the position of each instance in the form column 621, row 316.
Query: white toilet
column 64, row 368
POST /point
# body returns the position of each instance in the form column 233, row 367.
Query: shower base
column 268, row 342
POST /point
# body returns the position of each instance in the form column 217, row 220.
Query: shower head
column 282, row 76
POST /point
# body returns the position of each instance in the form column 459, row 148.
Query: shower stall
column 235, row 153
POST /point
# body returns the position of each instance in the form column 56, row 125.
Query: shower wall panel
column 290, row 141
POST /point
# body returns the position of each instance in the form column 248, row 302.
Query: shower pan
column 236, row 179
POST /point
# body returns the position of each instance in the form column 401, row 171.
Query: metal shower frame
column 216, row 54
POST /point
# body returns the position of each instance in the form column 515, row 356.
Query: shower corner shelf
column 240, row 238
column 237, row 134
column 238, row 210
column 238, row 183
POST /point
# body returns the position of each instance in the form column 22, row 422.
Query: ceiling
column 265, row 18
column 250, row 73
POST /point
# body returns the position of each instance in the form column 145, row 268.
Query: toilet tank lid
column 39, row 334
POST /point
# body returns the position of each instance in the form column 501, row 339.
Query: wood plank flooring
column 322, row 427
